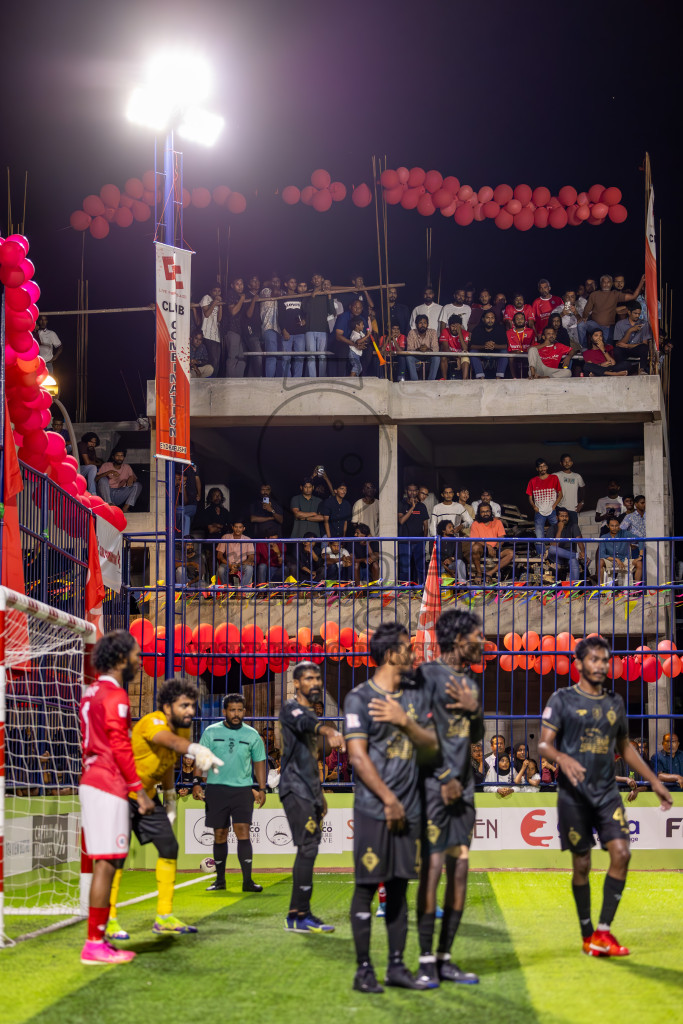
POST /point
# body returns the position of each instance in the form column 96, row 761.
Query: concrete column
column 388, row 496
column 658, row 566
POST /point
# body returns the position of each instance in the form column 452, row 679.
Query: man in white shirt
column 366, row 509
column 458, row 307
column 612, row 505
column 212, row 312
column 448, row 510
column 573, row 488
column 486, row 500
column 432, row 310
column 50, row 345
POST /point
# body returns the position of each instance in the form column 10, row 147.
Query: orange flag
column 426, row 647
column 12, row 562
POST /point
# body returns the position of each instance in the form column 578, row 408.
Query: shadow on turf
column 663, row 974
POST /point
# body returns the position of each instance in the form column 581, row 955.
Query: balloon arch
column 426, row 192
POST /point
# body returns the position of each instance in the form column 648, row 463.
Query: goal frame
column 11, row 600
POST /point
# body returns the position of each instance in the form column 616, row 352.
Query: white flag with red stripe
column 426, row 648
column 651, row 270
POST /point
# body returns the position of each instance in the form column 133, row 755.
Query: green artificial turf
column 519, row 934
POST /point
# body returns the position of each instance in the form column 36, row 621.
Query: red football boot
column 603, row 943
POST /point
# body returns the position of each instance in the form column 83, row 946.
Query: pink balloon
column 478, row 211
column 403, row 174
column 12, row 254
column 583, row 212
column 389, row 179
column 582, row 199
column 18, row 298
column 541, row 217
column 594, row 193
column 523, row 193
column 307, row 193
column 448, row 211
column 433, row 181
column 321, row 179
column 452, row 184
column 524, row 220
column 34, row 291
column 425, row 206
column 322, row 200
column 485, row 194
column 567, row 195
column 141, row 211
column 599, row 211
column 361, row 196
column 186, row 198
column 56, row 446
column 442, row 197
column 149, row 180
column 123, row 217
column 540, row 196
column 134, row 188
column 504, row 220
column 12, row 277
column 513, row 206
column 221, row 194
column 416, row 177
column 617, row 214
column 464, row 215
column 558, row 217
column 410, row 198
column 201, row 197
column 502, row 194
column 236, row 202
column 291, row 195
column 465, row 192
column 573, row 219
column 110, row 195
column 22, row 341
column 393, row 195
column 338, row 191
column 99, row 227
column 94, row 206
column 491, row 209
column 21, row 240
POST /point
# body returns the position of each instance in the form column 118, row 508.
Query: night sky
column 493, row 92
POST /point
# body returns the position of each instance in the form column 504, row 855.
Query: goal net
column 41, row 677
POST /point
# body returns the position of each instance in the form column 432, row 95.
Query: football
column 208, row 865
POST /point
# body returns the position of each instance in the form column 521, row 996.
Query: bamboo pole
column 23, row 216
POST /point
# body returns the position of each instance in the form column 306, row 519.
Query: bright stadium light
column 150, row 108
column 185, row 74
column 200, row 126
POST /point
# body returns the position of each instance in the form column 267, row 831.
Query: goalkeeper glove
column 204, row 758
column 170, row 805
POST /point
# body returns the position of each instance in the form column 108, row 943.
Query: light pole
column 170, row 99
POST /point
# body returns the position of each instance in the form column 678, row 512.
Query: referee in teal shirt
column 230, row 792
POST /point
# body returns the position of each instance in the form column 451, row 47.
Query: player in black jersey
column 384, row 724
column 300, row 789
column 448, row 789
column 582, row 725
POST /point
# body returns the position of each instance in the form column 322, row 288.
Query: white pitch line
column 151, row 895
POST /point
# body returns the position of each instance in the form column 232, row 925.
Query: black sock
column 425, row 931
column 245, row 854
column 361, row 921
column 610, row 900
column 397, row 918
column 220, row 855
column 582, row 898
column 302, row 884
column 449, row 926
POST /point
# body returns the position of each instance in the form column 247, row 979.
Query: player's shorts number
column 620, row 816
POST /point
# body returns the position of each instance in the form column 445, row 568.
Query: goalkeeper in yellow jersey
column 157, row 740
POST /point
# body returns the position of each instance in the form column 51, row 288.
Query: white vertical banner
column 173, row 319
column 109, row 550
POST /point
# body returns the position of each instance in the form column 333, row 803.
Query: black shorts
column 304, row 818
column 577, row 818
column 153, row 827
column 228, row 803
column 380, row 855
column 445, row 825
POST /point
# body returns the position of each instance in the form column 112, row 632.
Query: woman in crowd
column 599, row 359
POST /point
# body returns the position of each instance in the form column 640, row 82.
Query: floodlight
column 184, row 75
column 51, row 386
column 150, row 107
column 201, row 126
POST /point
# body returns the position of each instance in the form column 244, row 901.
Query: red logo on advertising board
column 171, row 270
column 531, row 823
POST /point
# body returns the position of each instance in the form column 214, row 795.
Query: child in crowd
column 358, row 333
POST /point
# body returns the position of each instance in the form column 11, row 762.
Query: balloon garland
column 28, row 403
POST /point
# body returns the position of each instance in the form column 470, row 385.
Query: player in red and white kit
column 109, row 775
column 544, row 305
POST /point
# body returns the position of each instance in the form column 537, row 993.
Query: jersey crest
column 370, row 859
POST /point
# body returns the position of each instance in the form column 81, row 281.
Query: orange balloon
column 329, row 631
column 616, row 668
column 544, row 664
column 304, row 637
column 347, row 637
column 565, row 642
column 508, row 663
column 512, row 641
column 489, row 646
column 531, row 640
column 548, row 643
column 561, row 665
column 354, row 662
column 671, row 666
column 335, row 651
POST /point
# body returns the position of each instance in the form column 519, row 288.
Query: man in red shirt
column 520, row 339
column 545, row 494
column 549, row 358
column 486, row 525
column 518, row 305
column 109, row 775
column 544, row 305
column 455, row 338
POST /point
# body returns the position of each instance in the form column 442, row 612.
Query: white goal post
column 42, row 655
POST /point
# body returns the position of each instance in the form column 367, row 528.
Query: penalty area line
column 151, row 895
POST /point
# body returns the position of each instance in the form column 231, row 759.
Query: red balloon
column 254, row 667
column 186, row 198
column 322, row 200
column 12, row 254
column 149, row 180
column 410, row 198
column 221, row 194
column 416, row 177
column 80, row 220
column 389, row 179
column 452, row 184
column 583, row 212
column 393, row 196
column 110, row 195
column 611, row 196
column 20, row 320
column 554, row 203
column 361, row 196
column 630, row 669
column 123, row 217
column 582, row 199
column 652, row 670
column 126, row 200
column 425, row 205
column 616, row 668
column 94, row 206
column 403, row 174
column 524, row 220
column 109, row 214
column 502, row 194
column 594, row 193
column 573, row 219
column 99, row 227
column 464, row 215
column 617, row 214
column 504, row 220
column 307, row 194
column 236, row 203
column 338, row 191
column 523, row 193
column 433, row 181
column 251, row 638
column 485, row 194
column 558, row 217
column 18, row 298
column 491, row 209
column 513, row 206
column 561, row 665
column 201, row 197
column 320, row 179
column 599, row 211
column 12, row 277
column 465, row 192
column 448, row 211
column 478, row 212
column 141, row 211
column 291, row 195
column 541, row 217
column 596, row 221
column 143, row 631
column 567, row 195
column 540, row 196
column 442, row 197
column 21, row 240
